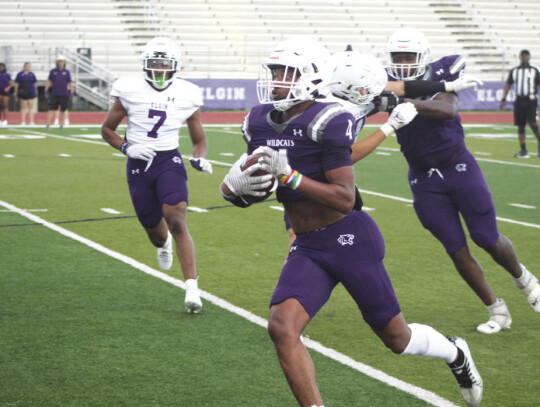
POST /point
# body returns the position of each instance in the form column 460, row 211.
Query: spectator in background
column 25, row 91
column 526, row 79
column 56, row 89
column 5, row 87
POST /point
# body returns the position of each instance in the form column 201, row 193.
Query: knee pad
column 521, row 128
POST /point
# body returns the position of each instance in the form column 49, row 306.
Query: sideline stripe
column 418, row 392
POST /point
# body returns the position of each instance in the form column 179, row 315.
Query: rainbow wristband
column 292, row 180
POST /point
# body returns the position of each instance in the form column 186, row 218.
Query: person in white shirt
column 156, row 104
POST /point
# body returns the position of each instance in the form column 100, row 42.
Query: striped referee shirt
column 526, row 79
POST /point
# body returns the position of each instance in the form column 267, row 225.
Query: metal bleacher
column 229, row 38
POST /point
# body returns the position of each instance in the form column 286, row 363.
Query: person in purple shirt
column 25, row 89
column 5, row 87
column 445, row 179
column 335, row 241
column 59, row 89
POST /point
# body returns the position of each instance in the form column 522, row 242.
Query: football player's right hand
column 462, row 83
column 242, row 183
column 386, row 101
column 140, row 152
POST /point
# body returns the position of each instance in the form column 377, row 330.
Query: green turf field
column 81, row 328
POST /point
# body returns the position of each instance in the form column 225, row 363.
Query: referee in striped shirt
column 526, row 79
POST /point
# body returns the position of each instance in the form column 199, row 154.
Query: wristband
column 292, row 180
column 124, row 147
column 503, row 100
column 387, row 129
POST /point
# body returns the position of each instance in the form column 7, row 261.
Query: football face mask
column 293, row 73
column 160, row 60
column 407, row 54
column 160, row 71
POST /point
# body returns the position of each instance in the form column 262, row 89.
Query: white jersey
column 155, row 117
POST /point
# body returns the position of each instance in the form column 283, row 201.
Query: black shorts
column 525, row 111
column 56, row 101
column 4, row 93
column 26, row 97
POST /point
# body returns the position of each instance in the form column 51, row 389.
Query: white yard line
column 416, row 391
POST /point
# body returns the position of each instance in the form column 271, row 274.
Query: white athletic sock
column 526, row 282
column 498, row 308
column 426, row 341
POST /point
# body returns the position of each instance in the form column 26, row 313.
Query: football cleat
column 165, row 254
column 193, row 300
column 522, row 154
column 499, row 318
column 534, row 296
column 467, row 376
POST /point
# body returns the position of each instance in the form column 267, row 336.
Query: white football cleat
column 528, row 284
column 165, row 254
column 534, row 297
column 469, row 380
column 499, row 318
column 193, row 300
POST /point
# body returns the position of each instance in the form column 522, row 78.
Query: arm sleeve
column 414, row 89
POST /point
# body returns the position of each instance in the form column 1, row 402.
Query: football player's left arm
column 200, row 143
column 197, row 134
column 413, row 89
column 443, row 106
column 401, row 115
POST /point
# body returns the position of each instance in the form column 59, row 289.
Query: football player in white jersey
column 156, row 104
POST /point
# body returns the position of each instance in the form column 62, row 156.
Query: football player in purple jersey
column 444, row 177
column 306, row 145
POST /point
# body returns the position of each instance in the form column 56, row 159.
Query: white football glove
column 403, row 114
column 275, row 162
column 242, row 183
column 140, row 152
column 463, row 83
column 201, row 164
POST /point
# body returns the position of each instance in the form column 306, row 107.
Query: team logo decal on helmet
column 303, row 61
column 409, row 41
column 160, row 60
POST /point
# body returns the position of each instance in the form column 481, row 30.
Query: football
column 252, row 160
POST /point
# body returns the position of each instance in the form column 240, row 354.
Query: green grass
column 78, row 328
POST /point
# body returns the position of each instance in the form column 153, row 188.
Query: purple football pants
column 164, row 181
column 350, row 252
column 441, row 195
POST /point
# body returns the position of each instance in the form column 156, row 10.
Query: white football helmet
column 408, row 40
column 160, row 60
column 305, row 75
column 357, row 77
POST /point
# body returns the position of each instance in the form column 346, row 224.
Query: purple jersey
column 60, row 79
column 434, row 143
column 318, row 140
column 4, row 80
column 26, row 83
